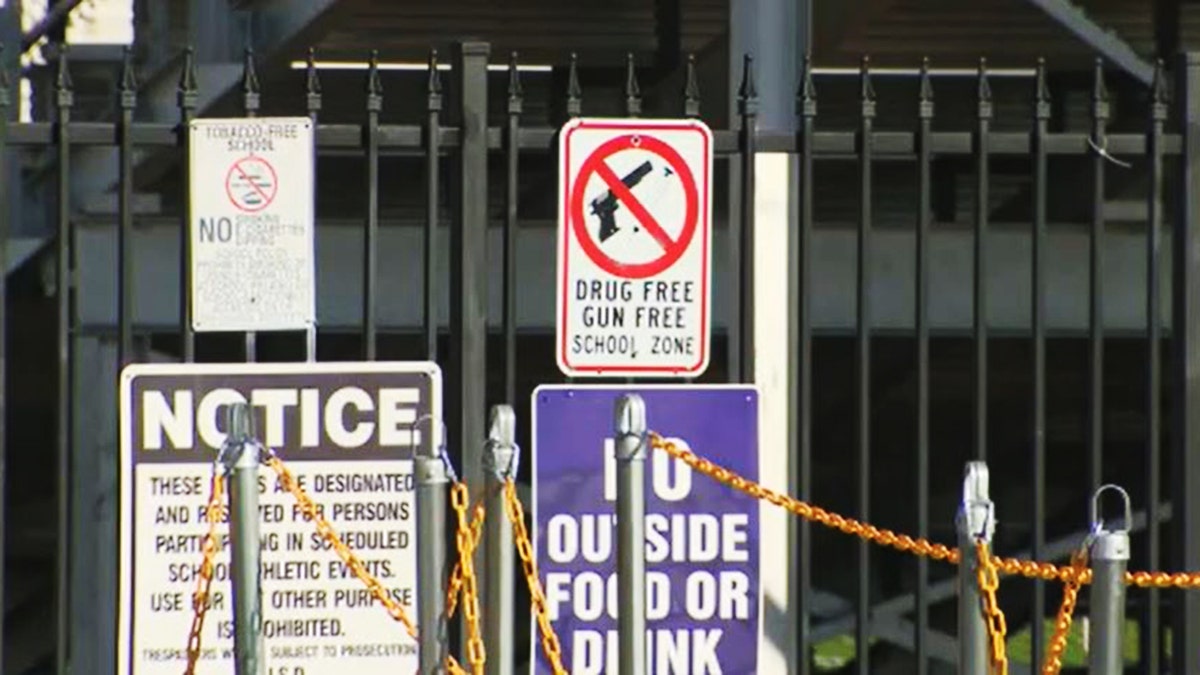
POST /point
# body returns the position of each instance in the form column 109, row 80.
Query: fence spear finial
column 574, row 91
column 748, row 91
column 515, row 92
column 312, row 83
column 984, row 91
column 806, row 95
column 374, row 84
column 187, row 80
column 433, row 86
column 925, row 96
column 250, row 90
column 691, row 89
column 1041, row 96
column 866, row 90
column 129, row 85
column 633, row 93
column 1100, row 106
column 62, row 73
column 1158, row 92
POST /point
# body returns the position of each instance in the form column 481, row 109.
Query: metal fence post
column 1110, row 556
column 500, row 465
column 467, row 393
column 630, row 451
column 1185, row 366
column 432, row 478
column 242, row 457
column 975, row 520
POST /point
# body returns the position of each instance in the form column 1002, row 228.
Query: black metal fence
column 469, row 142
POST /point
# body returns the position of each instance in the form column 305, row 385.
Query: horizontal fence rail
column 468, row 146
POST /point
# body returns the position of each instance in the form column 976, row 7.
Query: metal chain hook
column 438, row 443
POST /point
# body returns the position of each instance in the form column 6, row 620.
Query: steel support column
column 776, row 34
column 1185, row 366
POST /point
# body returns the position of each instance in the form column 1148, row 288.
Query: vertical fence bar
column 371, row 235
column 862, row 609
column 574, row 102
column 187, row 99
column 630, row 451
column 633, row 107
column 250, row 103
column 498, row 616
column 468, row 268
column 1100, row 113
column 691, row 90
column 312, row 100
column 633, row 93
column 65, row 99
column 982, row 209
column 1185, row 347
column 433, row 109
column 125, row 281
column 1151, row 629
column 1109, row 555
column 975, row 522
column 1041, row 114
column 800, row 284
column 512, row 156
column 744, row 235
column 5, row 227
column 924, row 216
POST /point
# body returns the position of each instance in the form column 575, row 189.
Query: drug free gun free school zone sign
column 634, row 248
column 348, row 432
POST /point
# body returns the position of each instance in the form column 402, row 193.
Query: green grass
column 837, row 651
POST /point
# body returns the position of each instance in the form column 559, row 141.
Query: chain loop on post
column 516, row 515
column 313, row 513
column 1062, row 623
column 989, row 583
column 456, row 574
column 204, row 583
column 476, row 655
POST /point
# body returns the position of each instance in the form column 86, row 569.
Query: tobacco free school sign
column 702, row 539
column 252, row 230
column 348, row 432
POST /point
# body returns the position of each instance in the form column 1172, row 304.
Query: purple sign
column 703, row 595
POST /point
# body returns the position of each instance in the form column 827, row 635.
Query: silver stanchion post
column 500, row 463
column 433, row 476
column 1109, row 553
column 630, row 449
column 242, row 457
column 976, row 518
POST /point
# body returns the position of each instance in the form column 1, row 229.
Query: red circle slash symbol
column 596, row 164
column 251, row 184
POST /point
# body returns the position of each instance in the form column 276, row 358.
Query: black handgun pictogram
column 605, row 207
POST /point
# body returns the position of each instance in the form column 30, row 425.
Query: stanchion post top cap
column 503, row 425
column 630, row 415
column 240, row 422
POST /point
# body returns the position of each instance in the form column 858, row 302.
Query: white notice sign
column 347, row 431
column 252, row 227
column 634, row 248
